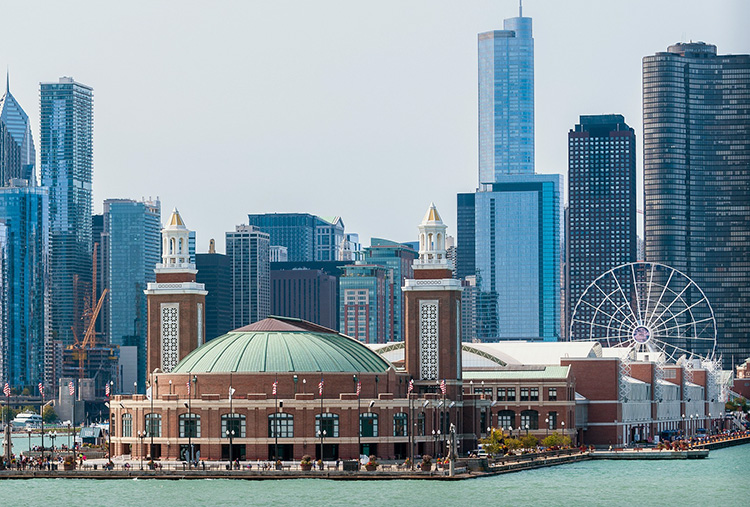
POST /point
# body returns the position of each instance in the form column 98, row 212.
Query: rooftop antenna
column 7, row 80
column 520, row 8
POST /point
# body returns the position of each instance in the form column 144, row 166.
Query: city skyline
column 314, row 93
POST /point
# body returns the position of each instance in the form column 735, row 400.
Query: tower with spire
column 17, row 153
column 176, row 303
column 433, row 313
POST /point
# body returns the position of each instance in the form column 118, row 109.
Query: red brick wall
column 188, row 315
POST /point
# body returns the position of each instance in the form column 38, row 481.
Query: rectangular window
column 534, row 394
column 552, row 394
column 511, row 394
column 524, row 394
column 501, row 394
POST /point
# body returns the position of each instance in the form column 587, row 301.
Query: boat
column 27, row 420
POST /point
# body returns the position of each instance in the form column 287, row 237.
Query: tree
column 26, row 392
column 494, row 442
column 529, row 441
column 8, row 413
column 556, row 440
column 513, row 443
column 49, row 415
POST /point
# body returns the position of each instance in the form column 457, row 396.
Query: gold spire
column 432, row 214
column 175, row 219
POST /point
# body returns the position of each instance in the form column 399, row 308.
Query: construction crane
column 89, row 338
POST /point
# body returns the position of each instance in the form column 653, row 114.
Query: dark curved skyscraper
column 696, row 131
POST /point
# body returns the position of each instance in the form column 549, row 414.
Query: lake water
column 719, row 480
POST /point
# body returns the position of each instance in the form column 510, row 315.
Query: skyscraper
column 399, row 259
column 307, row 294
column 510, row 230
column 17, row 153
column 506, row 100
column 306, row 237
column 66, row 170
column 24, row 249
column 215, row 274
column 365, row 302
column 248, row 250
column 696, row 132
column 131, row 244
column 601, row 220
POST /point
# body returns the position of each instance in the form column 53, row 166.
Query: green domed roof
column 281, row 344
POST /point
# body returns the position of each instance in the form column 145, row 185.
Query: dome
column 282, row 344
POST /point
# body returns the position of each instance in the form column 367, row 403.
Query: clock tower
column 433, row 312
column 176, row 303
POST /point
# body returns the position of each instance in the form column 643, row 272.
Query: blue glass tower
column 506, row 100
column 24, row 249
column 306, row 237
column 17, row 154
column 66, row 167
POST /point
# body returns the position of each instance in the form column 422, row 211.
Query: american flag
column 275, row 383
column 71, row 388
column 41, row 390
column 411, row 387
column 320, row 387
column 188, row 387
column 6, row 389
column 359, row 388
column 106, row 389
column 442, row 387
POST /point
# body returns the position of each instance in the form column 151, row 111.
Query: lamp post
column 322, row 434
column 170, row 386
column 684, row 426
column 154, row 389
column 53, row 436
column 28, row 430
column 359, row 421
column 546, row 422
column 109, row 432
column 563, row 428
column 141, row 435
column 230, row 435
column 692, row 427
column 69, row 450
column 527, row 430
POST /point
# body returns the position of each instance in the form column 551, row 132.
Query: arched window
column 181, row 246
column 171, row 246
column 368, row 425
column 153, row 425
column 281, row 424
column 328, row 423
column 506, row 419
column 233, row 422
column 127, row 425
column 530, row 417
column 421, row 242
column 190, row 425
column 400, row 425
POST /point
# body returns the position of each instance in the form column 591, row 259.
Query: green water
column 721, row 480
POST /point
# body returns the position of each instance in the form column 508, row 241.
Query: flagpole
column 231, row 418
column 359, row 423
column 41, row 413
column 276, row 417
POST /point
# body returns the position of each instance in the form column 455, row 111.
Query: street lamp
column 69, row 449
column 563, row 428
column 546, row 422
column 28, row 430
column 527, row 430
column 230, row 435
column 322, row 434
column 141, row 435
column 53, row 436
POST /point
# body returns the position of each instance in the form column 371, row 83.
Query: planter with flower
column 69, row 463
column 372, row 464
column 426, row 463
column 306, row 463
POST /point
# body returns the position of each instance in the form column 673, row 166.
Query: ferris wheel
column 647, row 308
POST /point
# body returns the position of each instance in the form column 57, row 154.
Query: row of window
column 509, row 393
column 279, row 424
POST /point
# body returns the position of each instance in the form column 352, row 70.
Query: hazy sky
column 367, row 110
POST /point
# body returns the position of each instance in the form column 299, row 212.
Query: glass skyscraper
column 506, row 100
column 66, row 168
column 601, row 220
column 518, row 237
column 509, row 240
column 17, row 153
column 365, row 302
column 24, row 250
column 306, row 237
column 696, row 131
column 248, row 250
